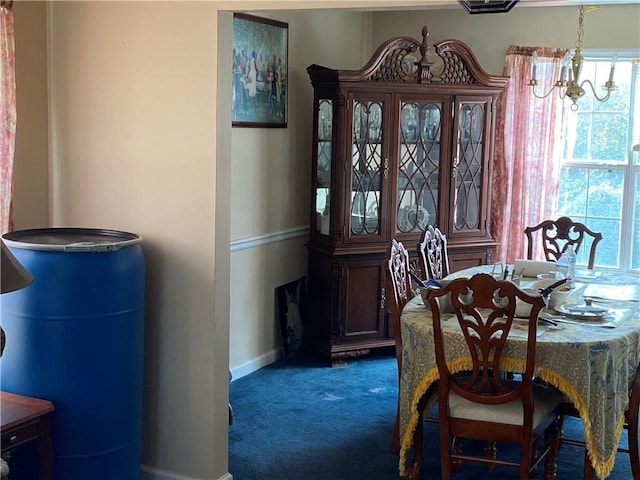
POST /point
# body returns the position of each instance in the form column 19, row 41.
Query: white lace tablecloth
column 593, row 366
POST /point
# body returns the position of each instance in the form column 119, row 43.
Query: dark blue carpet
column 298, row 419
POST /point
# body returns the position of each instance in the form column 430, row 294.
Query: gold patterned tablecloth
column 593, row 366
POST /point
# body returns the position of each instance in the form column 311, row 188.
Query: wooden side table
column 26, row 419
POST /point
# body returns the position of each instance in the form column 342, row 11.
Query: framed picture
column 259, row 96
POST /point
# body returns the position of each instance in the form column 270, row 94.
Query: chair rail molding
column 274, row 237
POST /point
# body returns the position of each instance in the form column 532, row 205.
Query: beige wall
column 134, row 114
column 140, row 141
column 31, row 186
column 270, row 186
column 132, row 121
column 613, row 26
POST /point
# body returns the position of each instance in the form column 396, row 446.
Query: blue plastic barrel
column 75, row 337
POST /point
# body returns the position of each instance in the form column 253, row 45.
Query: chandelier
column 568, row 85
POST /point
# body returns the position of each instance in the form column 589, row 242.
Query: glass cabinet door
column 419, row 147
column 468, row 167
column 369, row 166
column 323, row 165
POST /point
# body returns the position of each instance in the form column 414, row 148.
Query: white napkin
column 532, row 268
column 444, row 302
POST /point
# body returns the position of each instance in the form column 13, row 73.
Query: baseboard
column 256, row 364
column 150, row 473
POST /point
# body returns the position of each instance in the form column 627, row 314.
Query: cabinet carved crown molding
column 406, row 60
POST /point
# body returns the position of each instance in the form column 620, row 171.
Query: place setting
column 565, row 306
column 569, row 300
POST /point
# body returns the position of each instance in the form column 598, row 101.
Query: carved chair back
column 484, row 308
column 557, row 235
column 432, row 251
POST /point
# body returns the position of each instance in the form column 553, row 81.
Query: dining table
column 591, row 359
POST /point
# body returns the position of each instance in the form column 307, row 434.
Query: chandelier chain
column 580, row 29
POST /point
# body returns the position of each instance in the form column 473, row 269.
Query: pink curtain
column 528, row 146
column 7, row 115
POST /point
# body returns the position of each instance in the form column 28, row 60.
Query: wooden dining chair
column 399, row 286
column 631, row 424
column 557, row 235
column 432, row 252
column 484, row 403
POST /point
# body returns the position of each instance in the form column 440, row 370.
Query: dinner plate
column 587, row 307
column 582, row 311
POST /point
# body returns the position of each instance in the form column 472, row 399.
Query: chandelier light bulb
column 614, row 59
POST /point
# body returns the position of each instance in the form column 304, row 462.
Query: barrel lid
column 71, row 239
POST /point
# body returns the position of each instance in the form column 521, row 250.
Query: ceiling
column 427, row 4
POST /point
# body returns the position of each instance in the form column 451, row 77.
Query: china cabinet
column 402, row 143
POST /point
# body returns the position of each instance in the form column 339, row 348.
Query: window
column 600, row 169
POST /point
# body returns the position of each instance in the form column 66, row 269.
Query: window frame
column 630, row 167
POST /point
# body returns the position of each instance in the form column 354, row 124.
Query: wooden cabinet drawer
column 19, row 435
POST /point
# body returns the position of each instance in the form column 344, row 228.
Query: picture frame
column 260, row 64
